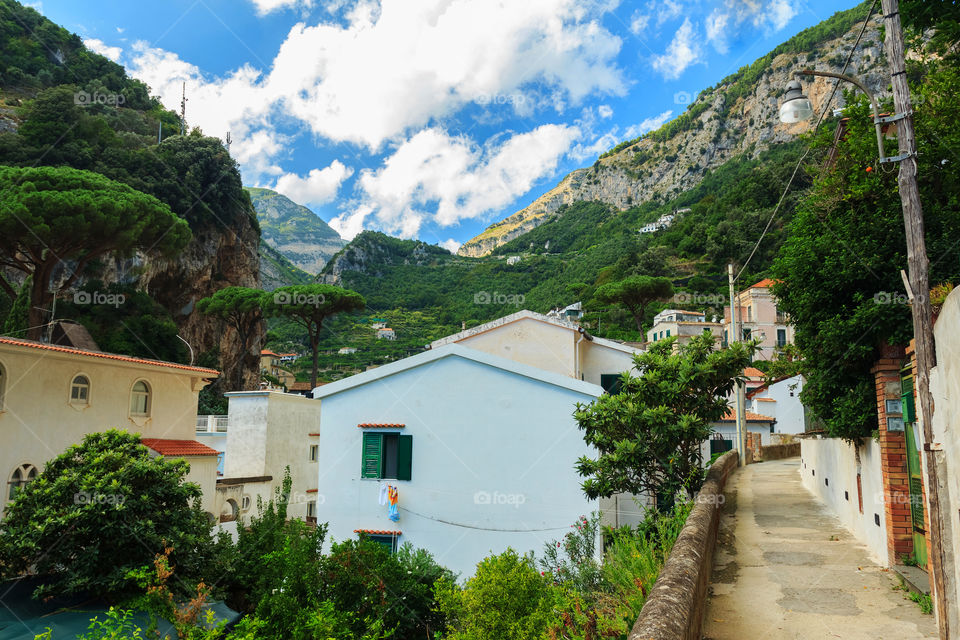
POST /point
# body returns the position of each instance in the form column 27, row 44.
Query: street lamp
column 797, row 107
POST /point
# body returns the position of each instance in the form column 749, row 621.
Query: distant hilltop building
column 386, row 333
column 570, row 313
column 346, row 350
column 663, row 221
column 682, row 324
column 512, row 260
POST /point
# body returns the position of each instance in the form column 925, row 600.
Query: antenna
column 159, row 132
column 183, row 111
column 228, row 140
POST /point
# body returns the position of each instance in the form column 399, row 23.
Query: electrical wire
column 470, row 526
column 826, row 107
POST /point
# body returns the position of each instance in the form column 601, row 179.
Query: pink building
column 759, row 317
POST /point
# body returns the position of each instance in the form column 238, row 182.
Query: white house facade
column 480, row 449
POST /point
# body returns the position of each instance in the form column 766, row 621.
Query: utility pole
column 740, row 402
column 183, row 111
column 918, row 265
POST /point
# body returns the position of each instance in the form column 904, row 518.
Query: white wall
column 528, row 341
column 945, row 387
column 492, row 451
column 599, row 359
column 269, row 431
column 782, row 401
column 835, row 460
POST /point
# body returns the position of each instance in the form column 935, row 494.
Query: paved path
column 786, row 568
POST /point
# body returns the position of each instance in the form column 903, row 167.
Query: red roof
column 751, row 417
column 753, row 372
column 267, row 352
column 176, row 448
column 766, row 283
column 106, row 356
column 379, row 532
column 378, row 425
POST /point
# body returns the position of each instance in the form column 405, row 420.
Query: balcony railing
column 212, row 424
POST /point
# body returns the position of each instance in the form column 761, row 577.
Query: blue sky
column 428, row 118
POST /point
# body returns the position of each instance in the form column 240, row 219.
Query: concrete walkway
column 786, row 568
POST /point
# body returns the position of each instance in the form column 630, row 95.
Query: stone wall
column 674, row 610
column 780, row 451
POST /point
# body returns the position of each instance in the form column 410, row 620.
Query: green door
column 914, row 468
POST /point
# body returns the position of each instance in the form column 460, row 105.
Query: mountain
column 294, row 231
column 736, row 118
column 63, row 105
column 277, row 271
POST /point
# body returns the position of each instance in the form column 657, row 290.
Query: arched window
column 20, row 478
column 3, row 384
column 229, row 511
column 140, row 399
column 80, row 390
column 245, row 503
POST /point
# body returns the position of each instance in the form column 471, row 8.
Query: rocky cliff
column 295, row 231
column 739, row 115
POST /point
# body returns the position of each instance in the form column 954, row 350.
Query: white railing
column 212, row 424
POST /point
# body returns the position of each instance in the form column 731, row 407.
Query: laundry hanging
column 383, row 493
column 392, row 496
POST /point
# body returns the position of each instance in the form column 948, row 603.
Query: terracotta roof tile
column 751, row 417
column 106, row 356
column 176, row 448
column 378, row 425
column 766, row 283
column 753, row 372
column 379, row 532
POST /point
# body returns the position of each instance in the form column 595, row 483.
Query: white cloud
column 684, row 50
column 780, row 13
column 451, row 245
column 267, row 6
column 716, row 25
column 433, row 169
column 99, row 46
column 668, row 10
column 605, row 111
column 639, row 23
column 319, row 187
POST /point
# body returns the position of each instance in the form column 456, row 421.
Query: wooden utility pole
column 918, row 269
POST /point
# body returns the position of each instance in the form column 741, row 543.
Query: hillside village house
column 549, row 343
column 759, row 317
column 480, row 448
column 275, row 364
column 51, row 396
column 682, row 324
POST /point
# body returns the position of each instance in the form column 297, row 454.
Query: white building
column 481, row 449
column 549, row 343
column 781, row 401
column 51, row 396
column 682, row 324
column 386, row 333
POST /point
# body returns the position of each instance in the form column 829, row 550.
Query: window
column 313, row 452
column 668, row 333
column 749, row 314
column 388, row 541
column 387, row 455
column 140, row 399
column 746, row 334
column 244, row 503
column 80, row 390
column 312, row 509
column 610, row 383
column 781, row 337
column 20, row 478
column 3, row 382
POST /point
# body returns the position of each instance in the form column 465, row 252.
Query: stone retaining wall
column 779, row 451
column 674, row 610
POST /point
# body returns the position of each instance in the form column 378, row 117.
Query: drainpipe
column 576, row 354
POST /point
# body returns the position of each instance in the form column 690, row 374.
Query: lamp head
column 796, row 106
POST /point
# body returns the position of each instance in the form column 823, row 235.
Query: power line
column 796, row 169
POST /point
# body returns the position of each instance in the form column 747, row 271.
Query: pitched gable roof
column 460, row 351
column 177, row 448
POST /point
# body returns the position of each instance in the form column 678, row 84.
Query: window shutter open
column 371, row 456
column 404, row 457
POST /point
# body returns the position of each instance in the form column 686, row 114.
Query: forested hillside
column 63, row 105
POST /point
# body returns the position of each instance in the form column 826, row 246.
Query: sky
column 428, row 119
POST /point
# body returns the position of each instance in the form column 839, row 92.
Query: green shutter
column 372, row 445
column 907, row 397
column 404, row 457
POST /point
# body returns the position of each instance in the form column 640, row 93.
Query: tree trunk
column 315, row 345
column 36, row 316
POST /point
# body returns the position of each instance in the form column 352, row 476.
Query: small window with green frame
column 387, row 456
